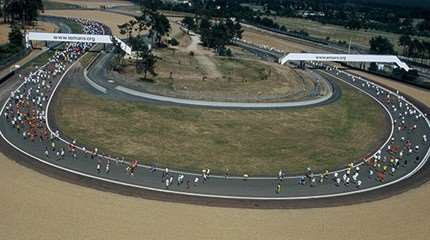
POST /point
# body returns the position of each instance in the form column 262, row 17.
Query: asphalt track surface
column 217, row 186
column 97, row 78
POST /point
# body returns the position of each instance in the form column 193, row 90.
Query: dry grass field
column 96, row 3
column 4, row 31
column 39, row 26
column 224, row 79
column 335, row 32
column 253, row 142
column 262, row 37
column 420, row 94
column 112, row 20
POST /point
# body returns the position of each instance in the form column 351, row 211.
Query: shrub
column 173, row 42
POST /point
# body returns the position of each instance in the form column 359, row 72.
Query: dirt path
column 202, row 56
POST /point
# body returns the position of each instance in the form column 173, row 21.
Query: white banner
column 70, row 37
column 343, row 58
column 123, row 46
column 66, row 37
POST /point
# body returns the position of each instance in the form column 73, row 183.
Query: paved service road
column 409, row 125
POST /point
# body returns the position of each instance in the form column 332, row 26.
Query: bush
column 173, row 42
column 15, row 36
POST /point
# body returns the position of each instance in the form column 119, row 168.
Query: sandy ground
column 420, row 94
column 96, row 3
column 39, row 26
column 112, row 20
column 35, row 206
column 4, row 31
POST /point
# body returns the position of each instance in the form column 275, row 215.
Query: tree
column 127, row 28
column 157, row 23
column 354, row 23
column 16, row 38
column 407, row 26
column 427, row 48
column 145, row 60
column 405, row 42
column 381, row 45
column 419, row 47
column 219, row 34
column 160, row 27
column 188, row 22
column 424, row 25
column 25, row 11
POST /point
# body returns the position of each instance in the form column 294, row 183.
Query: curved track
column 96, row 77
column 237, row 187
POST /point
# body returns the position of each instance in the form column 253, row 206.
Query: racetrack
column 256, row 188
column 234, row 188
column 57, row 209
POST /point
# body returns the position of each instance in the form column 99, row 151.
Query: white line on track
column 419, row 166
column 203, row 103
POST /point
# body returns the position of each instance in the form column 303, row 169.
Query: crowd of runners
column 396, row 154
column 26, row 112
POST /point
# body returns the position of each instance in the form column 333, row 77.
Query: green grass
column 87, row 58
column 8, row 52
column 40, row 60
column 317, row 29
column 244, row 141
column 243, row 69
column 74, row 26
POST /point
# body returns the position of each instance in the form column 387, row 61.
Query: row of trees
column 16, row 38
column 213, row 20
column 411, row 47
column 217, row 22
column 354, row 14
column 414, row 48
column 23, row 11
column 151, row 20
column 215, row 34
column 15, row 45
column 157, row 26
column 381, row 45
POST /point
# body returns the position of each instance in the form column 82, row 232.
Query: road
column 240, row 187
column 233, row 187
